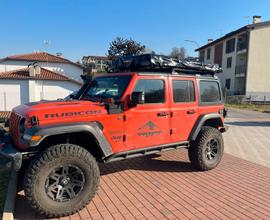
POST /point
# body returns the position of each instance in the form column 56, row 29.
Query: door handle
column 162, row 114
column 190, row 112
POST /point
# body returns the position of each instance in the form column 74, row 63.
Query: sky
column 86, row 27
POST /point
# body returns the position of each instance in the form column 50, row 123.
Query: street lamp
column 194, row 42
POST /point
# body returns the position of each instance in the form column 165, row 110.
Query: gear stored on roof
column 161, row 63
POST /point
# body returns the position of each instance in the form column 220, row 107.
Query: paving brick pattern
column 248, row 136
column 166, row 187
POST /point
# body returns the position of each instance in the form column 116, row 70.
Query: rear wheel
column 206, row 151
column 62, row 180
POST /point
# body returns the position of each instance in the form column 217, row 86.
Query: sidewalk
column 166, row 187
column 248, row 136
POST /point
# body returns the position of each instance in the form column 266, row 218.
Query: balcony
column 240, row 70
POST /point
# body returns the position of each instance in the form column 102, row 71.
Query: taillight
column 223, row 112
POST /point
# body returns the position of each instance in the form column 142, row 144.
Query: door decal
column 149, row 129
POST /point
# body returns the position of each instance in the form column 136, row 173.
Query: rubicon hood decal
column 71, row 114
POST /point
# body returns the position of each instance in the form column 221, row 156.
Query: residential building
column 96, row 64
column 36, row 76
column 244, row 55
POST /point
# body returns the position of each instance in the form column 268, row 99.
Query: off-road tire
column 55, row 156
column 197, row 149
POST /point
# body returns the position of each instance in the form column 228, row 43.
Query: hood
column 54, row 111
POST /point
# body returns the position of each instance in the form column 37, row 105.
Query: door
column 184, row 108
column 148, row 124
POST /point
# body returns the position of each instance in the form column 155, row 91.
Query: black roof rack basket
column 161, row 63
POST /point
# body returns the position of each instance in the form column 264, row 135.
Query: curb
column 10, row 198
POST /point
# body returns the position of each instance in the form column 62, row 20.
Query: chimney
column 256, row 19
column 34, row 70
column 210, row 41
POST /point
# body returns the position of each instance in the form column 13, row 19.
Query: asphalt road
column 248, row 136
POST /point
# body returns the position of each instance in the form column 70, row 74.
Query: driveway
column 248, row 136
column 165, row 186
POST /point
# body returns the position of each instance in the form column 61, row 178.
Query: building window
column 242, row 42
column 230, row 45
column 208, row 53
column 183, row 91
column 228, row 84
column 218, row 54
column 154, row 90
column 201, row 56
column 229, row 62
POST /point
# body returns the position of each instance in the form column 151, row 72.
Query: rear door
column 184, row 107
column 149, row 124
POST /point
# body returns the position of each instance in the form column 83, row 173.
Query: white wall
column 69, row 70
column 13, row 93
column 52, row 90
column 228, row 73
column 16, row 92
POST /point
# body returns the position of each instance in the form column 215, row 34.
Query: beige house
column 244, row 55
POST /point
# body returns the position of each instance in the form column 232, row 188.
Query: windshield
column 107, row 87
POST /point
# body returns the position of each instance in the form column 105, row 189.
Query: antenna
column 47, row 43
column 247, row 17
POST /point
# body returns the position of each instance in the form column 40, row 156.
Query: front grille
column 14, row 127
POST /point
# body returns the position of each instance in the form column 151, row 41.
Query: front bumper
column 9, row 152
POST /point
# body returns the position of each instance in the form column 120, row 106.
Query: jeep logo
column 70, row 114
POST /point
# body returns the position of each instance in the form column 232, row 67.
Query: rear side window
column 209, row 92
column 154, row 90
column 183, row 91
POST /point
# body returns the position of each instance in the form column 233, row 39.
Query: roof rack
column 161, row 63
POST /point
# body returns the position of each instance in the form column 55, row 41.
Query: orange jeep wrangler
column 150, row 105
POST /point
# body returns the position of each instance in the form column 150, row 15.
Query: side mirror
column 137, row 98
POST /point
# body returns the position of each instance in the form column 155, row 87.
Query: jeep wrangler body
column 115, row 116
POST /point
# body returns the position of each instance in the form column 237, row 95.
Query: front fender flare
column 92, row 128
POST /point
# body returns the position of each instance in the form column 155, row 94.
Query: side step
column 145, row 151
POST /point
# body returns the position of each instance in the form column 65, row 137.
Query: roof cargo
column 152, row 62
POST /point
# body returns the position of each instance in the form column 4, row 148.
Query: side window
column 154, row 90
column 209, row 92
column 183, row 91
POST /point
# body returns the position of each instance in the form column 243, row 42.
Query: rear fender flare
column 200, row 123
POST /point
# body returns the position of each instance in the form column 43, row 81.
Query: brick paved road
column 248, row 136
column 166, row 187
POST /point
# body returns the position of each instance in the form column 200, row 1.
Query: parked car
column 113, row 117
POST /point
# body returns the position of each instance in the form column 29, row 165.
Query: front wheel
column 62, row 180
column 206, row 151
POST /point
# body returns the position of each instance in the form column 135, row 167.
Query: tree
column 123, row 47
column 178, row 53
